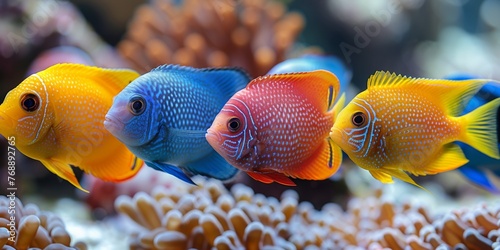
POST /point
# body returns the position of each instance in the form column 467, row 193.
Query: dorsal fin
column 319, row 86
column 228, row 80
column 452, row 95
column 113, row 79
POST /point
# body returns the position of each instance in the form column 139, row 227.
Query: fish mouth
column 213, row 137
column 113, row 125
column 337, row 135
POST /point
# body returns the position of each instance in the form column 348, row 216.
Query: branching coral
column 251, row 34
column 210, row 216
column 23, row 227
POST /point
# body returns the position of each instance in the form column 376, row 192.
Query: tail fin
column 481, row 129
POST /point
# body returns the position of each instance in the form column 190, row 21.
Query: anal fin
column 321, row 165
column 271, row 177
column 170, row 169
column 64, row 171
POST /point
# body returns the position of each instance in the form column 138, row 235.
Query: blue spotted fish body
column 479, row 167
column 163, row 115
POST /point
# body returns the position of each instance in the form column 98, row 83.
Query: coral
column 209, row 216
column 254, row 35
column 33, row 228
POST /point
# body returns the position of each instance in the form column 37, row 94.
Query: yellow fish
column 56, row 116
column 402, row 124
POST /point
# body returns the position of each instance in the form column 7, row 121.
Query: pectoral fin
column 64, row 171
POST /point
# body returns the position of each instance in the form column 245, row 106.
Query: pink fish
column 278, row 126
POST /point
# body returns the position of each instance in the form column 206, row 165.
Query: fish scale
column 283, row 124
column 289, row 146
column 435, row 126
column 402, row 124
column 66, row 127
column 180, row 104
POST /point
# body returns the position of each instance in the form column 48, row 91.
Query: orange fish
column 56, row 116
column 277, row 127
column 401, row 124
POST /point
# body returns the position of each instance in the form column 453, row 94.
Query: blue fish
column 163, row 115
column 479, row 166
column 310, row 62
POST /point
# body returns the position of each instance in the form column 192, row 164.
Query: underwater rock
column 209, row 215
column 254, row 35
column 26, row 226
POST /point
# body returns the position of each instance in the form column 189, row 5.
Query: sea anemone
column 23, row 227
column 254, row 35
column 209, row 215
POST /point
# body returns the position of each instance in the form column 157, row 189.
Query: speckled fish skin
column 402, row 124
column 284, row 121
column 481, row 170
column 56, row 117
column 179, row 103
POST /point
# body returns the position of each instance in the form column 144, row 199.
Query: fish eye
column 30, row 102
column 137, row 105
column 233, row 124
column 358, row 119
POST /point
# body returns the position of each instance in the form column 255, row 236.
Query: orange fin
column 451, row 157
column 271, row 177
column 320, row 86
column 64, row 171
column 321, row 165
column 120, row 166
column 113, row 80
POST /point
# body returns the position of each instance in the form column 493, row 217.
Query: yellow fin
column 113, row 79
column 319, row 86
column 339, row 105
column 481, row 129
column 64, row 171
column 400, row 174
column 121, row 165
column 381, row 176
column 451, row 94
column 321, row 165
column 450, row 157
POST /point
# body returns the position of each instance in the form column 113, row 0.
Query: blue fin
column 228, row 80
column 170, row 169
column 214, row 166
column 478, row 177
